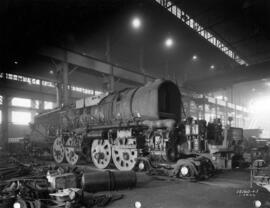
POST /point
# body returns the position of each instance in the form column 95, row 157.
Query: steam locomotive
column 115, row 128
column 121, row 127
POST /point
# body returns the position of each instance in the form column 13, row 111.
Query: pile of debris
column 33, row 186
column 193, row 169
column 260, row 174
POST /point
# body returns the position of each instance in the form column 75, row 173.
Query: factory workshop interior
column 135, row 103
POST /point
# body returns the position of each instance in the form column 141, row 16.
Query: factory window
column 98, row 92
column 48, row 105
column 47, row 84
column 35, row 81
column 1, row 99
column 20, row 118
column 21, row 102
column 88, row 91
column 22, row 79
column 82, row 90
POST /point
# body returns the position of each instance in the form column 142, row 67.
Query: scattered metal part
column 259, row 174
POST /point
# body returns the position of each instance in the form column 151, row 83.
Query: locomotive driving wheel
column 58, row 150
column 124, row 156
column 70, row 154
column 101, row 153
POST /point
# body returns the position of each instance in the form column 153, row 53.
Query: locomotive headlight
column 141, row 166
column 184, row 171
column 16, row 205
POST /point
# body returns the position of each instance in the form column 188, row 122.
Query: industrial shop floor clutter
column 39, row 184
column 34, row 185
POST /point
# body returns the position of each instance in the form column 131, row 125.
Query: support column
column 188, row 108
column 41, row 102
column 203, row 108
column 108, row 58
column 141, row 66
column 235, row 123
column 216, row 108
column 112, row 81
column 5, row 120
column 33, row 106
column 65, row 82
column 232, row 96
column 226, row 113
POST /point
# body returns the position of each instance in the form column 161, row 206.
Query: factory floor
column 220, row 191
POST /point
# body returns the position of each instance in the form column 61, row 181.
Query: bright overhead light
column 212, row 66
column 51, row 71
column 168, row 42
column 194, row 57
column 16, row 62
column 136, row 22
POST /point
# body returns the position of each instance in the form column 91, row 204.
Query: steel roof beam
column 190, row 22
column 91, row 63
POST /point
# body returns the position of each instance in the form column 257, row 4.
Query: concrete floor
column 218, row 192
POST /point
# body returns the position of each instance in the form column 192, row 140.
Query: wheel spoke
column 101, row 153
column 58, row 150
column 71, row 156
column 123, row 156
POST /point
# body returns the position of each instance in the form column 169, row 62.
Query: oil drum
column 108, row 181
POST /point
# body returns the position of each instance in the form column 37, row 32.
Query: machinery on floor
column 223, row 145
column 121, row 127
